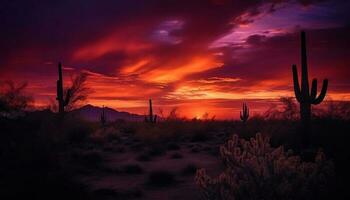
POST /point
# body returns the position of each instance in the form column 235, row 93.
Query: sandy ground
column 111, row 180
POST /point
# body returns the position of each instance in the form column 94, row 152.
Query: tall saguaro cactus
column 151, row 118
column 244, row 114
column 62, row 99
column 302, row 93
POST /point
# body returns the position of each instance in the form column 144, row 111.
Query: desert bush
column 71, row 129
column 156, row 150
column 32, row 166
column 132, row 169
column 143, row 157
column 255, row 170
column 285, row 109
column 13, row 100
column 189, row 169
column 77, row 130
column 161, row 178
column 176, row 130
column 137, row 147
column 176, row 156
column 91, row 159
column 126, row 126
column 173, row 146
column 107, row 193
column 105, row 134
column 336, row 110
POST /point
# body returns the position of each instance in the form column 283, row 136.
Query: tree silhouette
column 68, row 98
column 12, row 97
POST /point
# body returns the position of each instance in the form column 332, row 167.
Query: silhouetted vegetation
column 132, row 169
column 13, row 100
column 254, row 167
column 151, row 118
column 83, row 148
column 244, row 114
column 161, row 178
column 303, row 94
column 43, row 159
column 67, row 98
column 103, row 118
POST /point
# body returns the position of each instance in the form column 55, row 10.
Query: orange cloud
column 127, row 39
column 177, row 71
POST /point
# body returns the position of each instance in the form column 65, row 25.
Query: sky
column 200, row 56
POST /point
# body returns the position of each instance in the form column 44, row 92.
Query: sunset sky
column 198, row 55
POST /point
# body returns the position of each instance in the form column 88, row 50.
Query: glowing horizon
column 199, row 56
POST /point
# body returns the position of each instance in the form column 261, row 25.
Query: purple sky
column 198, row 55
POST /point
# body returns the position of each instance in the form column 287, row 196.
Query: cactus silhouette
column 62, row 101
column 151, row 118
column 103, row 118
column 302, row 92
column 244, row 114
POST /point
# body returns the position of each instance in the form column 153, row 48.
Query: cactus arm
column 58, row 90
column 244, row 114
column 68, row 96
column 322, row 95
column 297, row 90
column 59, row 85
column 313, row 90
column 247, row 112
column 150, row 110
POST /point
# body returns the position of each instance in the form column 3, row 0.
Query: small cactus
column 303, row 94
column 62, row 101
column 151, row 118
column 103, row 118
column 244, row 114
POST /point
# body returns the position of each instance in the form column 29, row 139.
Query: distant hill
column 93, row 113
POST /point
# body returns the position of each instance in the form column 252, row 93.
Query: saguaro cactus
column 244, row 114
column 62, row 101
column 103, row 117
column 151, row 118
column 303, row 94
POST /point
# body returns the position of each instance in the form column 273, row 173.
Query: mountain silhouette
column 93, row 113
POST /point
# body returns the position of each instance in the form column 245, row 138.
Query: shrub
column 90, row 159
column 189, row 169
column 105, row 134
column 156, row 150
column 161, row 178
column 143, row 157
column 173, row 146
column 176, row 155
column 133, row 169
column 255, row 170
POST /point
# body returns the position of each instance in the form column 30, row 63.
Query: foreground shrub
column 189, row 169
column 91, row 159
column 161, row 178
column 133, row 169
column 105, row 134
column 255, row 170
